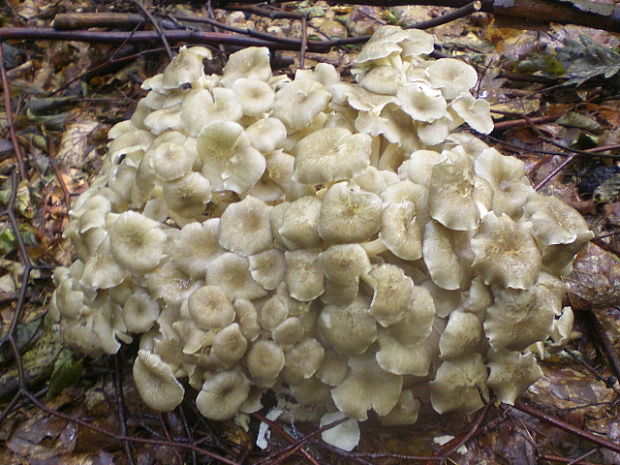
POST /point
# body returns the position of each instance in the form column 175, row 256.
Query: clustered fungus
column 340, row 244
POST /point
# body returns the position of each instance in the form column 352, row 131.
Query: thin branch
column 9, row 117
column 281, row 432
column 157, row 27
column 121, row 412
column 520, row 405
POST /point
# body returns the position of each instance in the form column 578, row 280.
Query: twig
column 515, row 123
column 121, row 412
column 295, row 446
column 453, row 15
column 120, row 437
column 555, row 458
column 68, row 21
column 157, row 27
column 45, row 33
column 304, row 41
column 520, row 405
column 278, row 429
column 453, row 445
column 272, row 14
column 606, row 344
column 9, row 117
column 567, row 161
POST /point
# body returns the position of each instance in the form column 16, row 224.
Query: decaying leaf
column 594, row 280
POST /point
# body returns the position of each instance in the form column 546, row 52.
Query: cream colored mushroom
column 331, row 154
column 244, row 227
column 265, row 361
column 231, row 273
column 367, row 386
column 460, row 384
column 210, row 308
column 506, row 253
column 298, row 102
column 222, row 395
column 156, row 382
column 228, row 159
column 350, row 330
column 512, row 373
column 349, row 214
column 452, row 76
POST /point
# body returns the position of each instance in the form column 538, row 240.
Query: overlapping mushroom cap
column 337, row 243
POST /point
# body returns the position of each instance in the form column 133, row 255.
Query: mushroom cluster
column 340, row 244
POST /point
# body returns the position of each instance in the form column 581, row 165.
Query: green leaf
column 585, row 59
column 577, row 120
column 7, row 239
column 67, row 372
column 541, row 62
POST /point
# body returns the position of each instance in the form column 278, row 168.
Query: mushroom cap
column 202, row 107
column 249, row 63
column 405, row 412
column 348, row 329
column 265, row 361
column 229, row 344
column 475, row 112
column 188, row 196
column 559, row 229
column 401, row 230
column 186, row 67
column 345, row 435
column 344, row 263
column 231, row 273
column 519, row 318
column 512, row 373
column 168, row 283
column 331, row 154
column 452, row 76
column 398, row 359
column 384, row 80
column 244, row 227
column 416, row 323
column 506, row 175
column 140, row 311
column 421, row 102
column 300, row 221
column 298, row 102
column 303, row 360
column 367, row 386
column 256, row 97
column 462, row 335
column 288, row 332
column 171, row 160
column 267, row 268
column 440, row 256
column 303, row 275
column 156, row 382
column 458, row 385
column 195, row 247
column 210, row 308
column 392, row 293
column 247, row 317
column 506, row 252
column 383, row 43
column 348, row 214
column 136, row 242
column 266, row 135
column 222, row 395
column 456, row 195
column 228, row 160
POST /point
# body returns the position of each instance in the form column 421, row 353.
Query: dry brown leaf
column 593, row 283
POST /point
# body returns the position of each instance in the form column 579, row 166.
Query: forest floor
column 555, row 95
